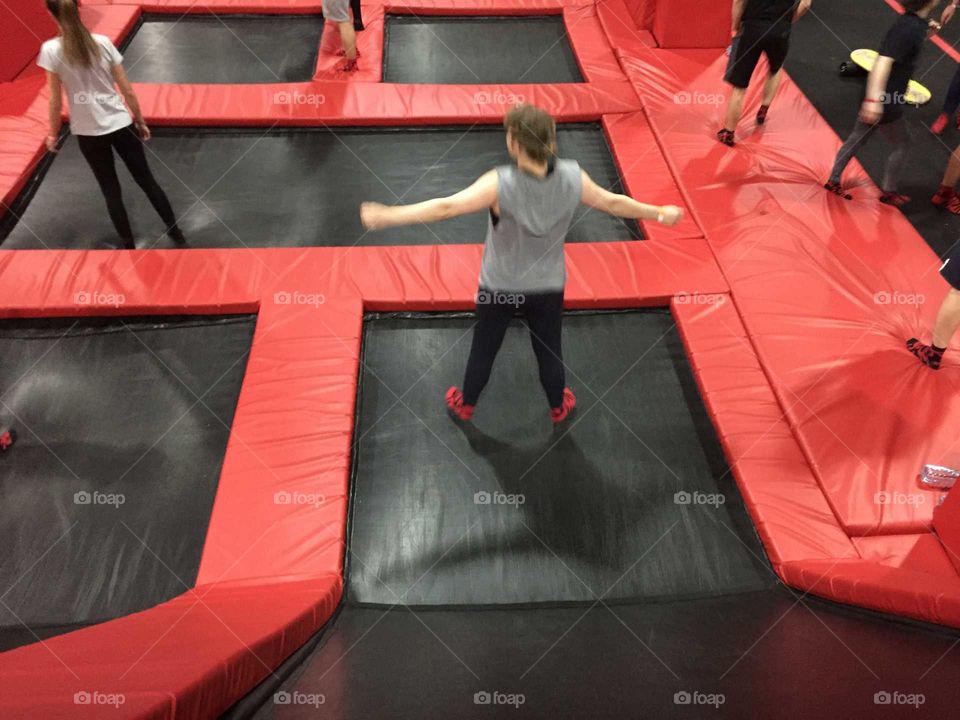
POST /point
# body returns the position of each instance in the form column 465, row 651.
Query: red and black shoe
column 7, row 439
column 953, row 205
column 558, row 415
column 837, row 189
column 347, row 66
column 927, row 354
column 343, row 53
column 455, row 403
column 894, row 198
column 726, row 137
column 943, row 196
column 762, row 114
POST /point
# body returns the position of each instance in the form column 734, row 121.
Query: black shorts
column 756, row 39
column 951, row 268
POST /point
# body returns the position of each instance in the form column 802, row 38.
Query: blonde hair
column 79, row 47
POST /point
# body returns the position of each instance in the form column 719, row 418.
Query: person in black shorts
column 760, row 27
column 948, row 318
column 883, row 105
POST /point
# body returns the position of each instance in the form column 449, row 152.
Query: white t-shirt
column 96, row 107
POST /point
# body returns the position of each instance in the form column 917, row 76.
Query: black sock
column 939, row 350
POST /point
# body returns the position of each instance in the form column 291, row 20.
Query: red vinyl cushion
column 917, row 553
column 946, row 522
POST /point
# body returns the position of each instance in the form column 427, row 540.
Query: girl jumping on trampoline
column 89, row 68
column 531, row 205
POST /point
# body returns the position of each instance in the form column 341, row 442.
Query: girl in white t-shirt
column 90, row 69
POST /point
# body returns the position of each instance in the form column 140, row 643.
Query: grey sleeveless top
column 524, row 248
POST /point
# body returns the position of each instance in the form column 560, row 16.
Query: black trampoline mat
column 478, row 50
column 820, row 43
column 216, row 49
column 436, row 513
column 768, row 654
column 268, row 188
column 106, row 497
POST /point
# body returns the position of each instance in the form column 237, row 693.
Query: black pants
column 543, row 314
column 357, row 17
column 98, row 152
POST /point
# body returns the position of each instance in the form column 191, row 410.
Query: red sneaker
column 894, row 198
column 940, row 124
column 927, row 354
column 558, row 415
column 837, row 189
column 7, row 439
column 347, row 66
column 456, row 405
column 953, row 205
column 943, row 196
column 726, row 137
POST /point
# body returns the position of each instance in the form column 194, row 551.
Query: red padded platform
column 946, row 522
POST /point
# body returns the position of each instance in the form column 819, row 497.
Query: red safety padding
column 917, row 553
column 946, row 523
column 227, row 7
column 829, row 291
column 645, row 173
column 24, row 25
column 596, row 58
column 781, row 493
column 691, row 23
column 919, row 595
column 623, row 27
column 482, row 7
column 190, row 657
column 641, row 11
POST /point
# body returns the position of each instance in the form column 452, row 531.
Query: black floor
column 766, row 655
column 821, row 42
column 217, row 49
column 505, row 510
column 261, row 188
column 478, row 50
column 106, row 497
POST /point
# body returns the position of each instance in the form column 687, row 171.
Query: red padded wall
column 24, row 25
column 691, row 23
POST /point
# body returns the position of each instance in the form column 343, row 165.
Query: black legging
column 544, row 317
column 357, row 17
column 98, row 151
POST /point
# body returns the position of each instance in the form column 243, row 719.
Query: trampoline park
column 236, row 492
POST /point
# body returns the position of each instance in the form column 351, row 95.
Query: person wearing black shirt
column 760, row 27
column 883, row 105
column 948, row 317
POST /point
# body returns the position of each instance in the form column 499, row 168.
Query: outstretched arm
column 626, row 207
column 802, row 8
column 479, row 196
column 737, row 16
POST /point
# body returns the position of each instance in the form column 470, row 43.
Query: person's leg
column 946, row 195
column 948, row 317
column 98, row 152
column 348, row 38
column 734, row 108
column 744, row 56
column 897, row 134
column 129, row 147
column 544, row 316
column 776, row 49
column 861, row 131
column 950, row 105
column 493, row 318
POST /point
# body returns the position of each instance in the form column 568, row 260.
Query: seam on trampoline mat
column 121, row 327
